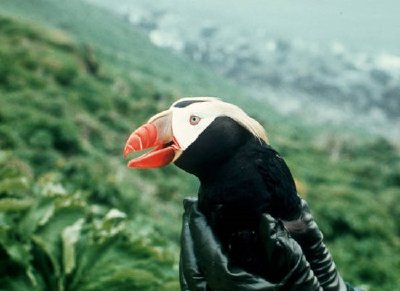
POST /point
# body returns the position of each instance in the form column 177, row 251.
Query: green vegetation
column 72, row 217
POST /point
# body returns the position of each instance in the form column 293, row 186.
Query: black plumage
column 241, row 177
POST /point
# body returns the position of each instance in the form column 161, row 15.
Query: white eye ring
column 194, row 120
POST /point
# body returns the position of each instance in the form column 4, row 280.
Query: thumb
column 272, row 232
column 281, row 251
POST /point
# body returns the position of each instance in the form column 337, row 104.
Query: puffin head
column 194, row 133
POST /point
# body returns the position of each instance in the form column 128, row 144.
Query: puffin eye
column 194, row 120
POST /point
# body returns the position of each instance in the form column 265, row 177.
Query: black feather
column 241, row 177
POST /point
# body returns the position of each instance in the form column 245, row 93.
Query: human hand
column 307, row 233
column 205, row 266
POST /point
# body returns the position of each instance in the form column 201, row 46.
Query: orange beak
column 156, row 134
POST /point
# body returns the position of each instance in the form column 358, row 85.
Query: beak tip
column 127, row 150
column 126, row 153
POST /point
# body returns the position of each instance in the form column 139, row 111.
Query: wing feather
column 279, row 182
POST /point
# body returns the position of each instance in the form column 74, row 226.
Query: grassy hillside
column 72, row 217
column 63, row 127
column 118, row 43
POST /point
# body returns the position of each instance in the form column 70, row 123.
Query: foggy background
column 335, row 62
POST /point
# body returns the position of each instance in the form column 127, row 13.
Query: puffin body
column 241, row 176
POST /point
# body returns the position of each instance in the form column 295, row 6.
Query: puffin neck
column 233, row 190
column 221, row 171
column 213, row 148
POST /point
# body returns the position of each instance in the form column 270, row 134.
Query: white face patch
column 190, row 121
column 191, row 116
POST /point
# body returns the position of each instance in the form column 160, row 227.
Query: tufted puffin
column 241, row 176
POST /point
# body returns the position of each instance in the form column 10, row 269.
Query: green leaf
column 15, row 205
column 70, row 236
column 14, row 185
column 18, row 250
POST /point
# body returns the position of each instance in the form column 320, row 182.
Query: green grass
column 72, row 88
column 119, row 43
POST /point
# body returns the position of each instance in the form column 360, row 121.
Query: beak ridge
column 157, row 134
column 142, row 138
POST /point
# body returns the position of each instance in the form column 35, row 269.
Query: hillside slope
column 118, row 43
column 72, row 217
column 68, row 207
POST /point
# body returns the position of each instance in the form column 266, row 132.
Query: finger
column 191, row 278
column 188, row 204
column 272, row 232
column 213, row 261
